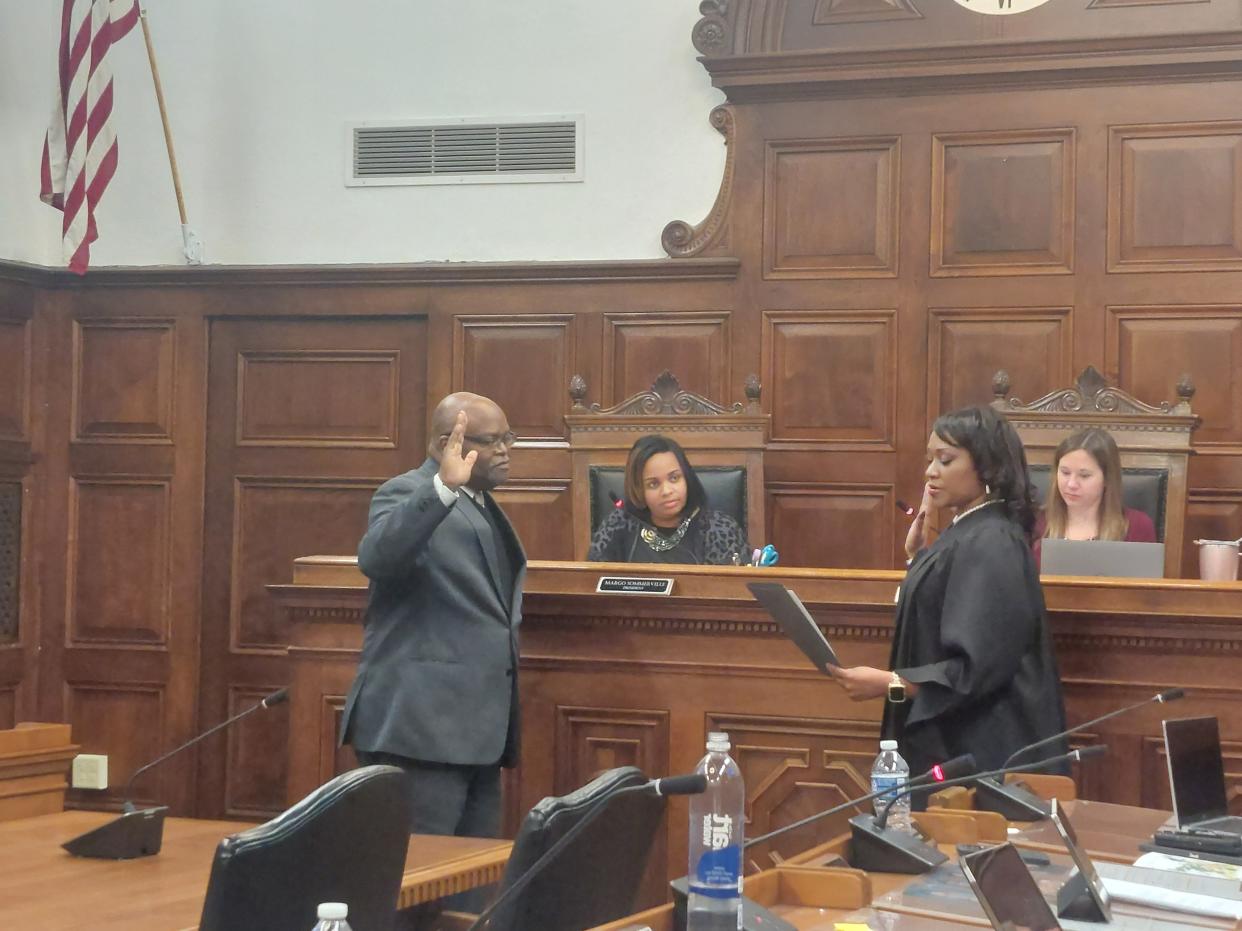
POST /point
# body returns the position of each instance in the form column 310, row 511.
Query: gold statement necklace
column 662, row 544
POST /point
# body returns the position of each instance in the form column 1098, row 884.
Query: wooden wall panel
column 967, row 347
column 1003, row 203
column 257, row 776
column 523, row 364
column 119, row 594
column 696, row 347
column 541, row 512
column 831, row 208
column 124, row 370
column 14, row 379
column 277, row 520
column 833, row 526
column 1210, row 516
column 10, row 560
column 1150, row 347
column 8, row 708
column 126, row 723
column 795, row 767
column 1175, row 197
column 831, row 378
column 318, row 398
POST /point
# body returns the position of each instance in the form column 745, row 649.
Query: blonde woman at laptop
column 1084, row 501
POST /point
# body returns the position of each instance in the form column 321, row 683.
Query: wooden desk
column 612, row 679
column 41, row 886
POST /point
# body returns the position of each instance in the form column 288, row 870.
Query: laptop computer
column 1197, row 776
column 1102, row 557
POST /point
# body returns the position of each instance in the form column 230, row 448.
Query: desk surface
column 42, row 886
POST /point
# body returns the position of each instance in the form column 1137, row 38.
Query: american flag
column 80, row 150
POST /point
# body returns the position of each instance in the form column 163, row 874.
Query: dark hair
column 1100, row 446
column 998, row 455
column 643, row 449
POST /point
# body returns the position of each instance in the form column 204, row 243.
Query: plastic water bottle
column 332, row 917
column 716, row 821
column 891, row 772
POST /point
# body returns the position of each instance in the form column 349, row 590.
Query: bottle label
column 890, row 783
column 720, row 866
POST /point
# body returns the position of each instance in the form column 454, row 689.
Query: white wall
column 259, row 92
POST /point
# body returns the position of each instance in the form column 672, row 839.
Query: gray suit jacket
column 437, row 679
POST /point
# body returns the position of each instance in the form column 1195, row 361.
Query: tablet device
column 795, row 620
column 1095, row 885
column 1007, row 890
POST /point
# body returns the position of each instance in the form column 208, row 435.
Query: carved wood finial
column 577, row 391
column 1000, row 384
column 1091, row 394
column 752, row 388
column 666, row 397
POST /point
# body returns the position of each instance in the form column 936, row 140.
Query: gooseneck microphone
column 276, row 698
column 877, row 847
column 140, row 832
column 1166, row 696
column 952, row 769
column 689, row 784
column 1085, row 753
column 1018, row 803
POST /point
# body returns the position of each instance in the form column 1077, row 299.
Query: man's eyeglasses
column 505, row 439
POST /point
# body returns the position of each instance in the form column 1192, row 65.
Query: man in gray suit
column 436, row 688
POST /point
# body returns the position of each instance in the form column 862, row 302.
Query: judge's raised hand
column 455, row 469
column 862, row 682
column 916, row 536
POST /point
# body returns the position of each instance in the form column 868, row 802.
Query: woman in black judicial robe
column 971, row 649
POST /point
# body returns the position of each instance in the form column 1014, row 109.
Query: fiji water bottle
column 891, row 772
column 716, row 819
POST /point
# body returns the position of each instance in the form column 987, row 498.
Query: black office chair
column 725, row 487
column 1145, row 490
column 345, row 842
column 595, row 879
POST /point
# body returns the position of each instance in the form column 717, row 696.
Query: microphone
column 140, row 832
column 1016, row 801
column 952, row 769
column 874, row 847
column 276, row 698
column 689, row 784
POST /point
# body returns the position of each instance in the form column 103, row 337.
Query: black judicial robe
column 972, row 632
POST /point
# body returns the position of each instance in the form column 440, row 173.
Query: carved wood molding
column 1091, row 393
column 681, row 240
column 432, row 273
column 958, row 66
column 664, row 397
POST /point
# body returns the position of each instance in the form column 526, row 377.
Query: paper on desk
column 1163, row 861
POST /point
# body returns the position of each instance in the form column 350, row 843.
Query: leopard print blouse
column 712, row 539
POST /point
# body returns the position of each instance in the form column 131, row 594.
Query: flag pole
column 191, row 244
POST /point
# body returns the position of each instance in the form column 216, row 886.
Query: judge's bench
column 612, row 679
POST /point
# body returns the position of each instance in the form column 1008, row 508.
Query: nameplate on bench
column 632, row 585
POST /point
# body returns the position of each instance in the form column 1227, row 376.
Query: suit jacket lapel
column 515, row 548
column 482, row 533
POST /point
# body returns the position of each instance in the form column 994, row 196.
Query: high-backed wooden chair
column 1153, row 439
column 725, row 446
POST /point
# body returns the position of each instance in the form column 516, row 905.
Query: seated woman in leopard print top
column 664, row 517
